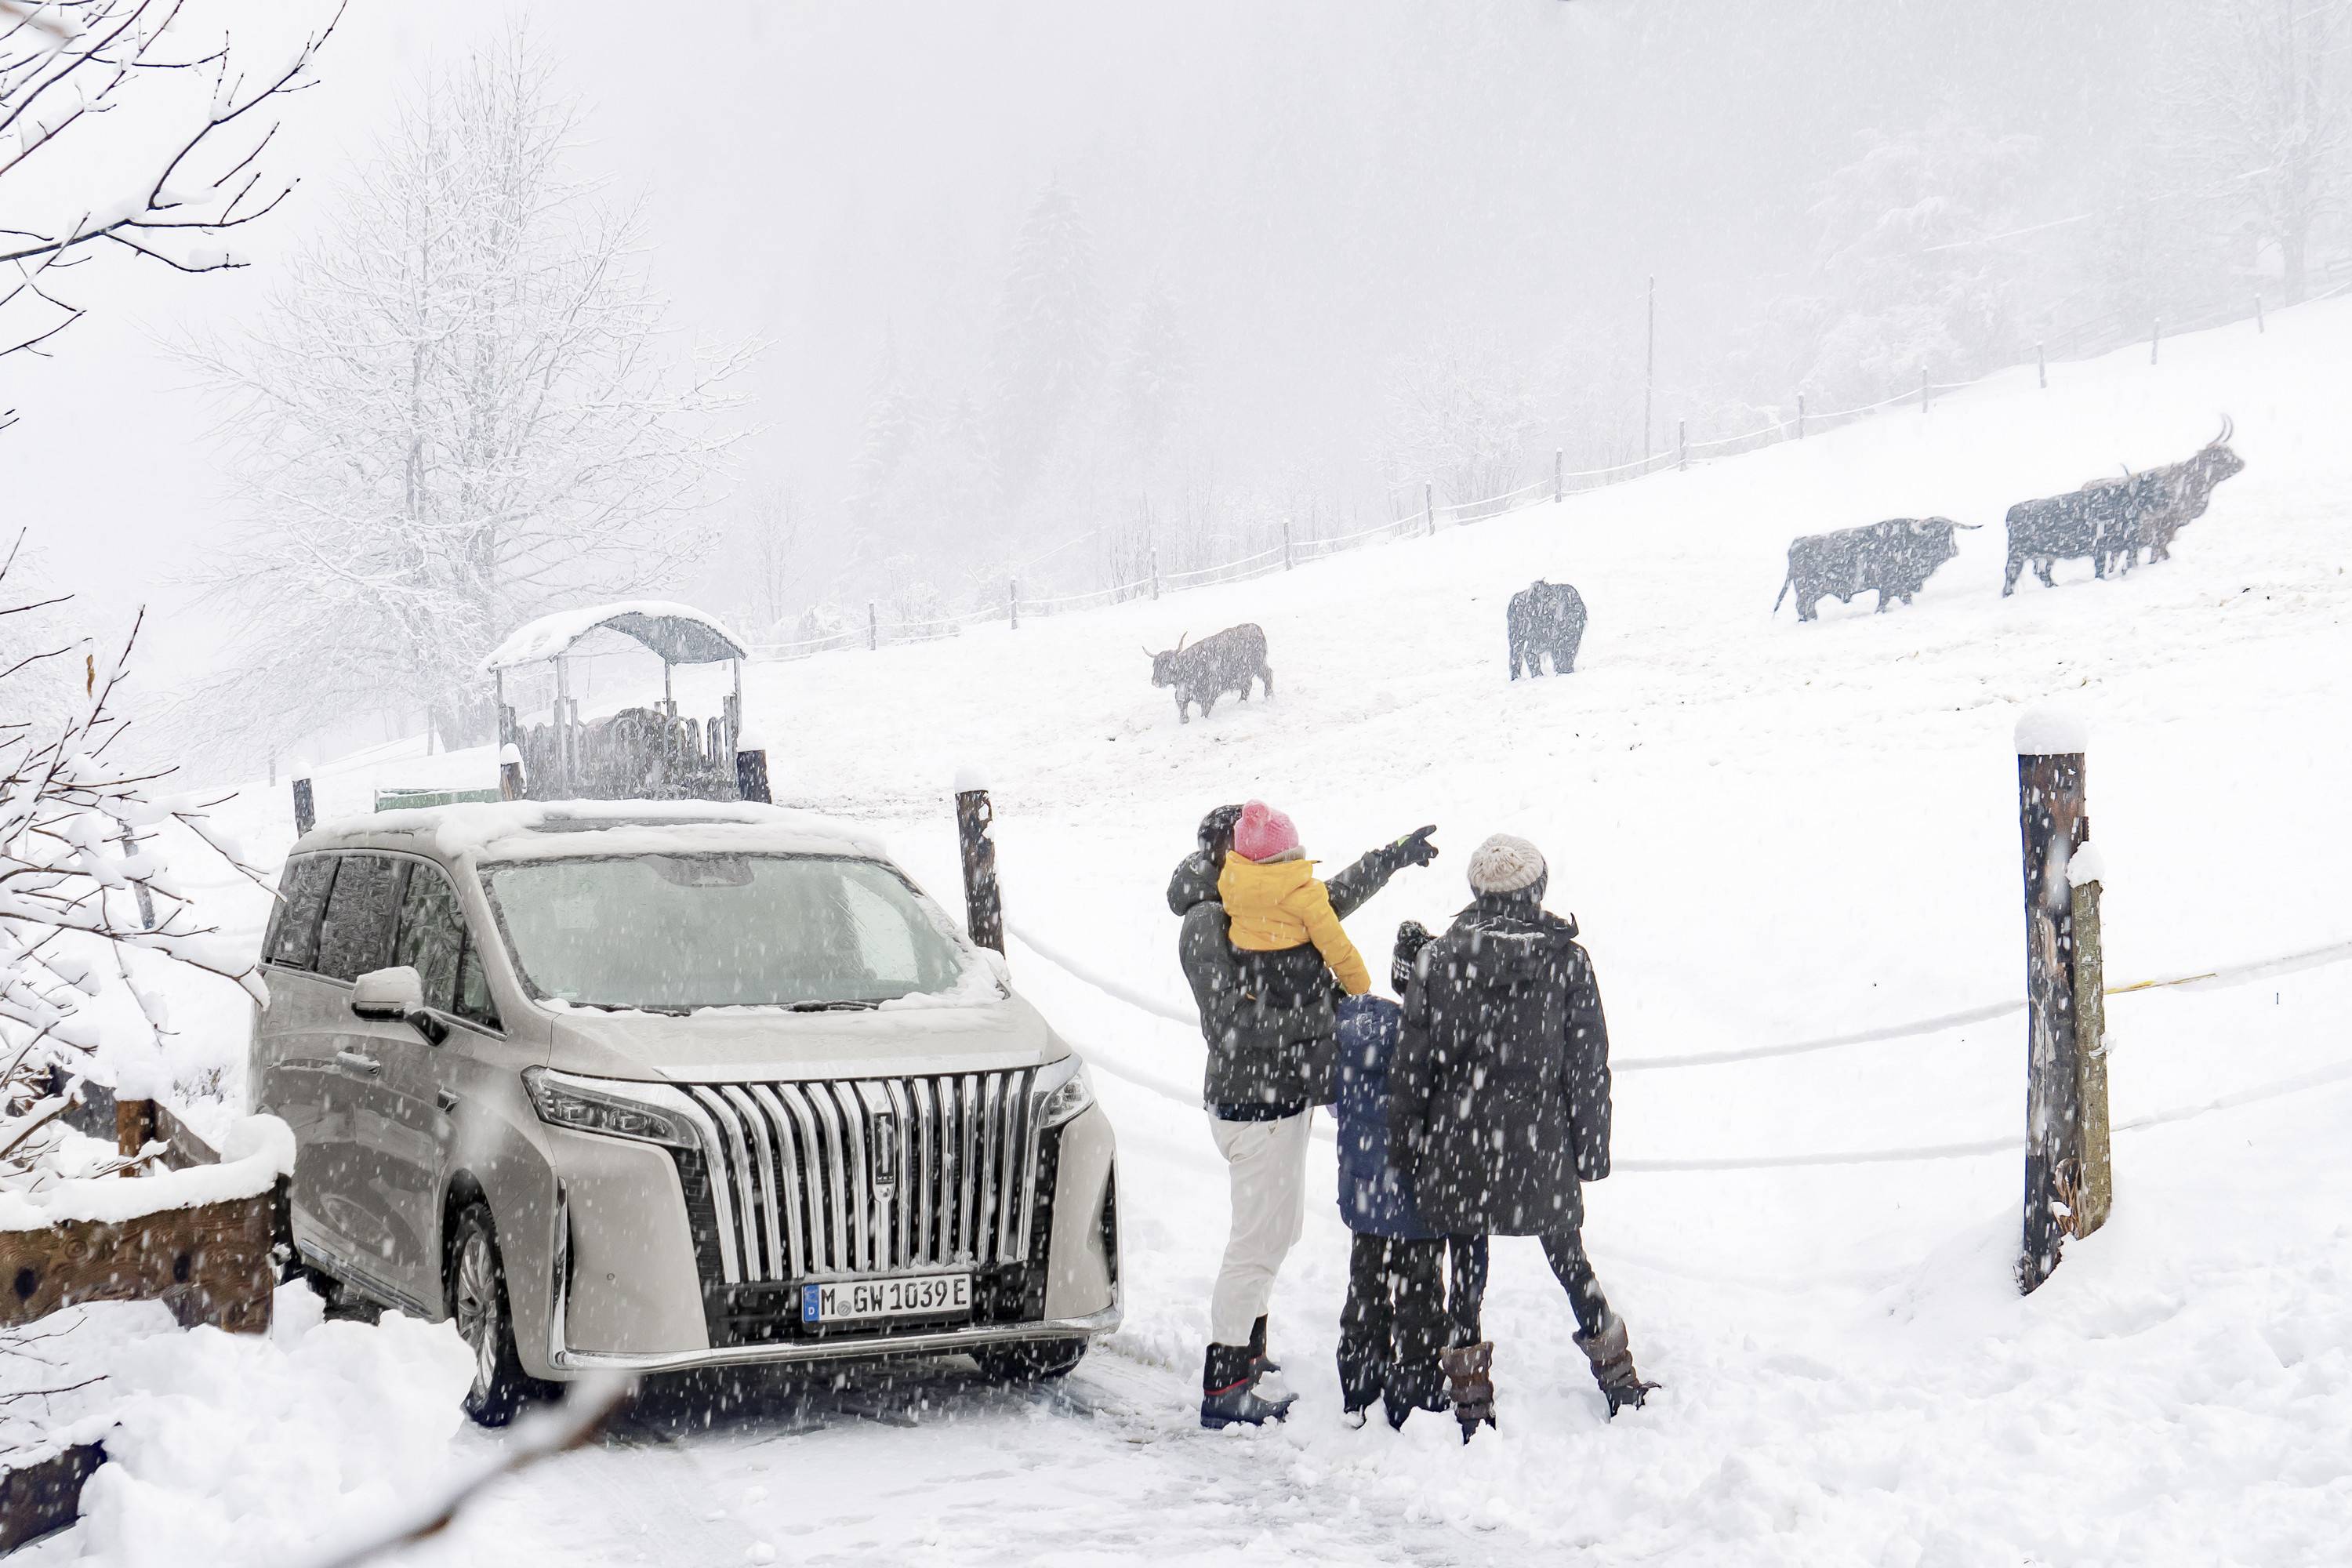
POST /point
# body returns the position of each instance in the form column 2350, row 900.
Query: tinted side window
column 474, row 1001
column 356, row 934
column 431, row 931
column 294, row 931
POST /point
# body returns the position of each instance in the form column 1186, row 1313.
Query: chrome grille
column 838, row 1177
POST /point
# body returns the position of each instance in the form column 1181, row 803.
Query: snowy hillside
column 1772, row 834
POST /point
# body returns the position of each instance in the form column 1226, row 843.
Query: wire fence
column 2089, row 338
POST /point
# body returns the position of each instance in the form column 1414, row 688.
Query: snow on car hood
column 743, row 1045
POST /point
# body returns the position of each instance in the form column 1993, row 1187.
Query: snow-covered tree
column 1154, row 371
column 1462, row 414
column 2259, row 109
column 456, row 415
column 1049, row 351
column 88, row 901
column 169, row 188
column 1906, row 278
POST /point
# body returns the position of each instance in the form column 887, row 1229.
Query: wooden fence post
column 306, row 814
column 134, row 1129
column 1801, row 417
column 2095, row 1193
column 1013, row 601
column 2041, row 368
column 2052, row 825
column 1558, row 472
column 1682, row 442
column 2259, row 328
column 1155, row 570
column 1428, row 508
column 510, row 778
column 873, row 627
column 1285, row 544
column 2155, row 336
column 1924, row 391
column 751, row 775
column 984, row 901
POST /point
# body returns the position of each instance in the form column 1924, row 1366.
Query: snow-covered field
column 1772, row 834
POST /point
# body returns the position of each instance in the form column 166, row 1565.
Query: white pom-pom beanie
column 1504, row 864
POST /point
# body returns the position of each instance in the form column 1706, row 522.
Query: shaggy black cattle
column 2111, row 520
column 1545, row 618
column 1895, row 557
column 1215, row 665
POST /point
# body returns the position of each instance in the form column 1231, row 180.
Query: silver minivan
column 652, row 1087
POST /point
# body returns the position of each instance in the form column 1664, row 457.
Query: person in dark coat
column 1394, row 1321
column 1501, row 1103
column 1271, row 1022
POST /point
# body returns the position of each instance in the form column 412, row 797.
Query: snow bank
column 254, row 1152
column 234, row 1449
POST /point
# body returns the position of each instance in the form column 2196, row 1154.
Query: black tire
column 1039, row 1361
column 477, row 1305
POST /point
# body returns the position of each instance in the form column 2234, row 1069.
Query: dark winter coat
column 1375, row 1194
column 1500, row 1096
column 1270, row 1019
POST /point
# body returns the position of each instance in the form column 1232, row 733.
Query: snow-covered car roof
column 678, row 633
column 532, row 830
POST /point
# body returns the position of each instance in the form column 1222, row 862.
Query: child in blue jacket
column 1395, row 1320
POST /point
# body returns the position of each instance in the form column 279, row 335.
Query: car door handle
column 446, row 1098
column 359, row 1061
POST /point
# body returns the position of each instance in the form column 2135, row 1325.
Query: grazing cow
column 1895, row 557
column 1545, row 618
column 2111, row 520
column 1215, row 665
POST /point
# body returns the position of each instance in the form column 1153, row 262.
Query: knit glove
column 1414, row 848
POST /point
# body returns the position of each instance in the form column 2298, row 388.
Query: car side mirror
column 396, row 995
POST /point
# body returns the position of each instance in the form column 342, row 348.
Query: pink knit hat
column 1263, row 833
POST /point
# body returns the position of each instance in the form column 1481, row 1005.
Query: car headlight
column 647, row 1112
column 1068, row 1093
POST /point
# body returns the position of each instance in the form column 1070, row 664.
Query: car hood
column 746, row 1045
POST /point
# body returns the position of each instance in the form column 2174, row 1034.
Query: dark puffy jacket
column 1375, row 1195
column 1499, row 1097
column 1268, row 1018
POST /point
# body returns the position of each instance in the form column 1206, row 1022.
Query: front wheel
column 478, row 1302
column 1037, row 1361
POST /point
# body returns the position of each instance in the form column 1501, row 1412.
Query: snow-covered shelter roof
column 680, row 633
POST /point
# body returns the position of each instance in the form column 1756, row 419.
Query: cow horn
column 1148, row 654
column 2229, row 428
column 1180, row 643
column 1971, row 526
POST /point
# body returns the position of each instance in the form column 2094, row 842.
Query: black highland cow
column 1545, row 618
column 2111, row 520
column 1895, row 557
column 1205, row 671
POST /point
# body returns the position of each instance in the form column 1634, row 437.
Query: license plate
column 909, row 1296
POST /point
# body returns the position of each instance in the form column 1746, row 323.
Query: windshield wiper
column 831, row 1006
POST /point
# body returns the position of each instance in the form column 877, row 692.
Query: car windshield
column 673, row 933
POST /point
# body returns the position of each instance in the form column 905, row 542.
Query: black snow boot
column 1227, row 1393
column 1470, row 1383
column 1260, row 1362
column 1613, row 1365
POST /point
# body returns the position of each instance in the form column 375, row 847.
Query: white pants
column 1267, row 1162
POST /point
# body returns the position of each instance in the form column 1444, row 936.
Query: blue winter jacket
column 1375, row 1197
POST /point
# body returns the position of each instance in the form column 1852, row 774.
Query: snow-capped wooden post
column 510, row 779
column 2095, row 1191
column 1285, row 544
column 306, row 814
column 1681, row 444
column 1924, row 389
column 1013, row 601
column 2155, row 336
column 751, row 768
column 984, row 901
column 2259, row 328
column 873, row 627
column 1558, row 473
column 1801, row 417
column 1428, row 506
column 2041, row 368
column 1153, row 553
column 2052, row 825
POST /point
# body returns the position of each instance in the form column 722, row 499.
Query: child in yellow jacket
column 1272, row 901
